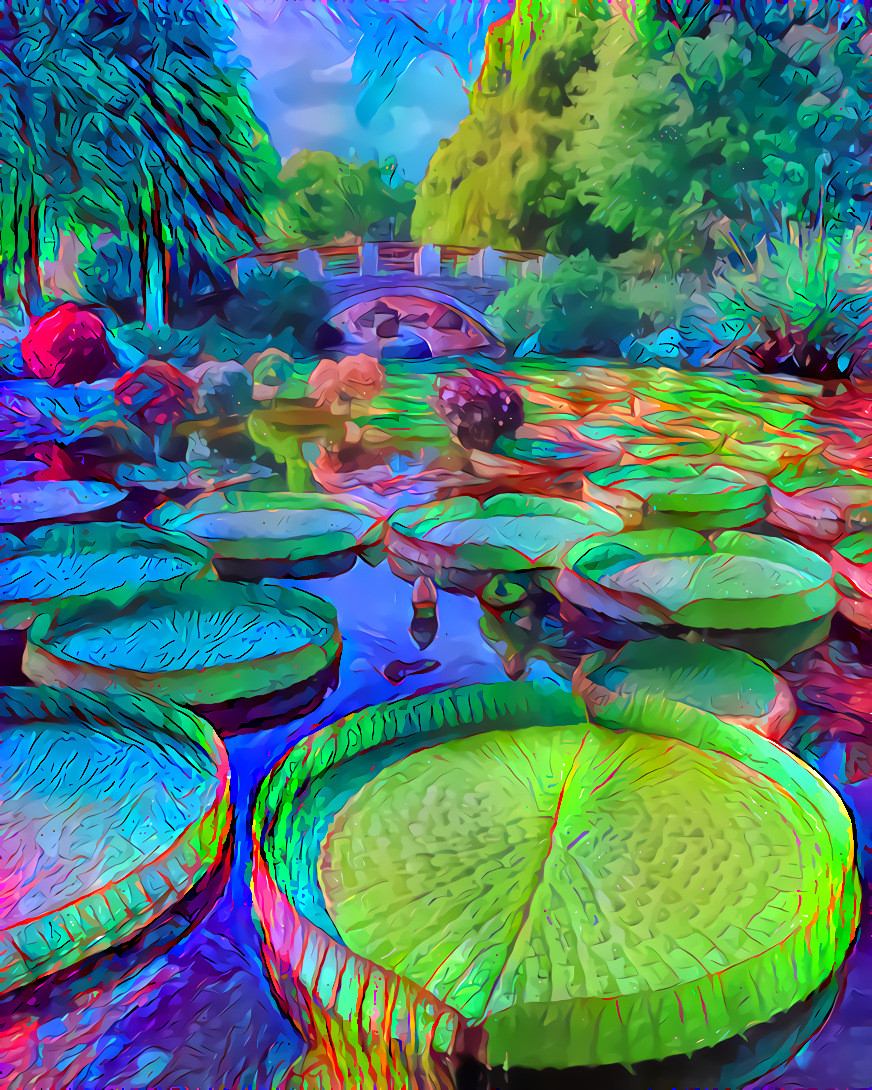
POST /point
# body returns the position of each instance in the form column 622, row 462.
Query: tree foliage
column 320, row 198
column 673, row 131
column 734, row 122
column 128, row 115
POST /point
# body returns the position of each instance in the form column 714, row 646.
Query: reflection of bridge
column 463, row 279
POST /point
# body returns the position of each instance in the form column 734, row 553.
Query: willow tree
column 41, row 49
column 187, row 158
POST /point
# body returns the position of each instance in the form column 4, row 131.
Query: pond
column 207, row 990
column 188, row 1002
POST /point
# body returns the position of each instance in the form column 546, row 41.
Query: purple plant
column 478, row 408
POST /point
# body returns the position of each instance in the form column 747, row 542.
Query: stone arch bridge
column 464, row 280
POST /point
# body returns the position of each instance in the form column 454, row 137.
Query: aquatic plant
column 478, row 408
column 383, row 928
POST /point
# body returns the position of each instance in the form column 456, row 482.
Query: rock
column 156, row 394
column 224, row 388
column 68, row 345
column 335, row 384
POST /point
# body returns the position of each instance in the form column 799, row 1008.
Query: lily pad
column 28, row 501
column 462, row 542
column 228, row 650
column 12, row 470
column 111, row 560
column 671, row 492
column 484, row 870
column 737, row 582
column 851, row 561
column 658, row 679
column 257, row 535
column 821, row 504
column 82, row 870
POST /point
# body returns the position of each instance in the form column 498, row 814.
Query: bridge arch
column 342, row 301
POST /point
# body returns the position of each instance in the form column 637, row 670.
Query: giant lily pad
column 13, row 470
column 110, row 811
column 229, row 650
column 24, row 502
column 650, row 681
column 485, row 870
column 737, row 583
column 462, row 543
column 821, row 503
column 33, row 411
column 276, row 534
column 675, row 493
column 112, row 560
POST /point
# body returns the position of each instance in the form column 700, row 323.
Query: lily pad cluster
column 821, row 504
column 672, row 493
column 28, row 502
column 851, row 560
column 594, row 938
column 771, row 597
column 78, row 563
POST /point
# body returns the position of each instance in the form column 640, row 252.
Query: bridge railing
column 375, row 258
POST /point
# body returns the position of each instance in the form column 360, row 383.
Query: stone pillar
column 491, row 263
column 428, row 261
column 310, row 265
column 475, row 265
column 550, row 264
column 368, row 258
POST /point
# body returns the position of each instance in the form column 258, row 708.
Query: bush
column 277, row 308
column 588, row 307
column 801, row 306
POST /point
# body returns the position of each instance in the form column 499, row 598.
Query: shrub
column 589, row 307
column 800, row 306
column 478, row 408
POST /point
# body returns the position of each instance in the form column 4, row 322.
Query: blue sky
column 373, row 78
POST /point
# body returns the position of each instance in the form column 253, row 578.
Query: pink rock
column 335, row 383
column 68, row 345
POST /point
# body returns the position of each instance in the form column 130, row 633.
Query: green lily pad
column 654, row 680
column 669, row 492
column 462, row 541
column 24, row 501
column 738, row 581
column 486, row 857
column 112, row 560
column 80, row 869
column 820, row 503
column 275, row 534
column 205, row 646
column 851, row 562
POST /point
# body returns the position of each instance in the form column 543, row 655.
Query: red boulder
column 156, row 395
column 68, row 345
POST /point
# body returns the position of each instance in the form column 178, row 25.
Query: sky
column 372, row 78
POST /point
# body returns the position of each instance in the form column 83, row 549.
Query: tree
column 672, row 129
column 201, row 159
column 320, row 198
column 496, row 181
column 733, row 122
column 128, row 116
column 41, row 47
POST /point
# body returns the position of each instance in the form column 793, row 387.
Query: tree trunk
column 153, row 262
column 31, row 279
